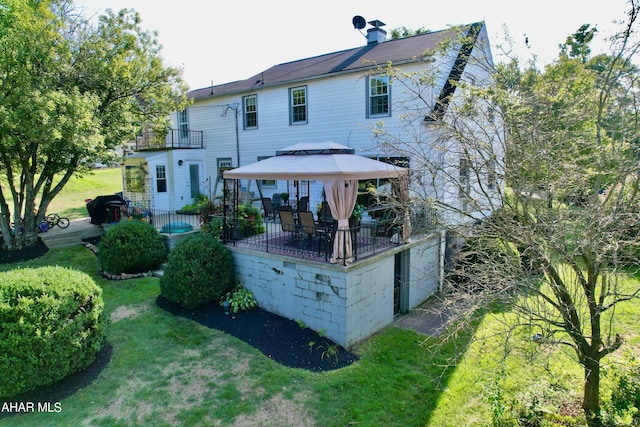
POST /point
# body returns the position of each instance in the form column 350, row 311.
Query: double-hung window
column 161, row 178
column 378, row 96
column 298, row 105
column 183, row 124
column 250, row 105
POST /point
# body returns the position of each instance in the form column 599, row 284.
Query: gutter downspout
column 236, row 108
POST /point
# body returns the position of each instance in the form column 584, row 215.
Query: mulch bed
column 32, row 252
column 280, row 339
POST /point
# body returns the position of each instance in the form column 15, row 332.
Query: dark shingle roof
column 351, row 60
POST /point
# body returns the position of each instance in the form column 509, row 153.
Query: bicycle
column 54, row 219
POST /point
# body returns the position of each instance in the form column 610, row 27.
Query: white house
column 336, row 97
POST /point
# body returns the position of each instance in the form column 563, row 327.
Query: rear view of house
column 339, row 97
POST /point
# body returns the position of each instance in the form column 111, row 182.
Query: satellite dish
column 358, row 22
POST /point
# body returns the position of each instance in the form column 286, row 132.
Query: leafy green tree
column 70, row 91
column 577, row 44
column 546, row 161
column 403, row 32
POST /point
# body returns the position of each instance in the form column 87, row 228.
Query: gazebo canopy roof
column 316, row 161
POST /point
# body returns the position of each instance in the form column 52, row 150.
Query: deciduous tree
column 70, row 91
column 546, row 162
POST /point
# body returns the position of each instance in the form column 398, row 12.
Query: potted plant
column 285, row 198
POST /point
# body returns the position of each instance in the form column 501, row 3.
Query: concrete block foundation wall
column 347, row 303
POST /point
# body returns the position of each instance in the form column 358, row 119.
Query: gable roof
column 409, row 49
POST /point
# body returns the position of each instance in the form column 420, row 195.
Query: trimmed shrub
column 131, row 247
column 52, row 325
column 199, row 270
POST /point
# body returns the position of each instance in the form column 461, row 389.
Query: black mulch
column 35, row 251
column 280, row 339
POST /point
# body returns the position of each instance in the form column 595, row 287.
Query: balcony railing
column 173, row 138
column 310, row 243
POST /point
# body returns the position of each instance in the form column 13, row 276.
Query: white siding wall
column 336, row 111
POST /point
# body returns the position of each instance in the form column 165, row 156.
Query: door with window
column 188, row 181
column 194, row 179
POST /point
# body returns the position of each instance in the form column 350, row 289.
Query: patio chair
column 324, row 215
column 287, row 222
column 303, row 204
column 276, row 199
column 308, row 226
column 267, row 207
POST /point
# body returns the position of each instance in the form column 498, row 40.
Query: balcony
column 172, row 139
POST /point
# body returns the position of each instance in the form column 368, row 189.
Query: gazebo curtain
column 341, row 196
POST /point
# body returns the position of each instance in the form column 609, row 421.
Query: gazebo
column 340, row 169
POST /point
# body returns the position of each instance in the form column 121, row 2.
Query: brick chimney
column 376, row 34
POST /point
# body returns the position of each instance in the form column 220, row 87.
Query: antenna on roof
column 359, row 23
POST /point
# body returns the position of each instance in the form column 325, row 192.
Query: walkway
column 78, row 230
column 428, row 319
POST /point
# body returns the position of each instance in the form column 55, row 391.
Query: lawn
column 165, row 370
column 70, row 202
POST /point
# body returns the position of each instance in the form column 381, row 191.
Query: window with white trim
column 183, row 123
column 224, row 164
column 298, row 105
column 250, row 106
column 161, row 178
column 378, row 96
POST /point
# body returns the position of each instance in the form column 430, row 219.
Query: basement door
column 401, row 282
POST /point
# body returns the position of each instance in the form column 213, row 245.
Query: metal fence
column 167, row 222
column 314, row 241
column 309, row 242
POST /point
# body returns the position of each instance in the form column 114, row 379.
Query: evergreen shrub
column 199, row 270
column 52, row 324
column 131, row 247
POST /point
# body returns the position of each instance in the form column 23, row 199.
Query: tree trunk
column 591, row 398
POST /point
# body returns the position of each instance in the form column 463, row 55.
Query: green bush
column 623, row 409
column 52, row 324
column 249, row 220
column 240, row 298
column 131, row 247
column 199, row 270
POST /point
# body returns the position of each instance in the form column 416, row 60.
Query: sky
column 224, row 41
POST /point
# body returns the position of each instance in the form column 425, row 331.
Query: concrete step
column 72, row 235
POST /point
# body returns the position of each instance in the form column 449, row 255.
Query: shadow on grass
column 63, row 388
column 399, row 380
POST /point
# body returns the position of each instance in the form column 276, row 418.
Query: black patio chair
column 303, row 204
column 276, row 200
column 267, row 207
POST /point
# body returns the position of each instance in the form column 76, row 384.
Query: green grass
column 70, row 202
column 166, row 370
